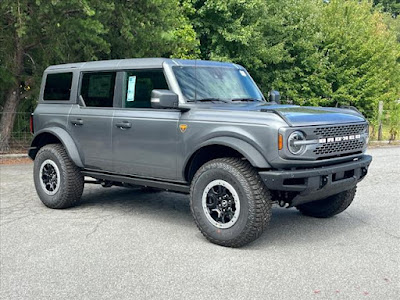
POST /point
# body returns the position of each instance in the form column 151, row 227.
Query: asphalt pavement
column 126, row 244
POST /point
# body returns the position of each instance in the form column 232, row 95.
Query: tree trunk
column 12, row 98
column 8, row 117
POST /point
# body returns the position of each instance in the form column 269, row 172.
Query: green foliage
column 393, row 25
column 363, row 56
column 390, row 6
column 150, row 28
column 394, row 120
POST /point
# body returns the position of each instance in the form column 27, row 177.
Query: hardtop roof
column 141, row 63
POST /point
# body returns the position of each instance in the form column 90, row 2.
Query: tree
column 390, row 6
column 37, row 33
column 363, row 55
column 150, row 28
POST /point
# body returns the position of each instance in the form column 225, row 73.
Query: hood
column 295, row 115
column 308, row 115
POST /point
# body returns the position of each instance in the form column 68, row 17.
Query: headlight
column 295, row 144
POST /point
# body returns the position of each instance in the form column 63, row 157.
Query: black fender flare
column 248, row 151
column 63, row 136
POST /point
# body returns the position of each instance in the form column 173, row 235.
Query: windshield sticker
column 130, row 96
column 243, row 73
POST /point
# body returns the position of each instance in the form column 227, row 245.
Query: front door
column 144, row 139
column 90, row 122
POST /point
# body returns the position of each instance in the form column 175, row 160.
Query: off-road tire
column 329, row 206
column 71, row 179
column 254, row 197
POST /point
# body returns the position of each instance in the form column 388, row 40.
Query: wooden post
column 380, row 112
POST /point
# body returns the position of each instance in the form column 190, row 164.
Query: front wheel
column 328, row 207
column 229, row 202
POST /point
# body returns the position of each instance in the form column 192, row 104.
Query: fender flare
column 248, row 151
column 65, row 139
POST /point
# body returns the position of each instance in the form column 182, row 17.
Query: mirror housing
column 275, row 96
column 164, row 99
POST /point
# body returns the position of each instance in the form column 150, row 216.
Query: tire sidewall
column 229, row 174
column 49, row 153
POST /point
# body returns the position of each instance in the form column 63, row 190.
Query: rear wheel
column 229, row 202
column 58, row 181
column 330, row 206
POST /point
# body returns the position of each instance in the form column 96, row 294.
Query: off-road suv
column 197, row 127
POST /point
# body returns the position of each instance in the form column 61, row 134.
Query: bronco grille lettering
column 339, row 139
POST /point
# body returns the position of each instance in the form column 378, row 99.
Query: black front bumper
column 317, row 183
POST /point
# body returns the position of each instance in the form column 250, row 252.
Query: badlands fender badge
column 183, row 127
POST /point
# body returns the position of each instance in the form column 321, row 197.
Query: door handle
column 77, row 122
column 123, row 125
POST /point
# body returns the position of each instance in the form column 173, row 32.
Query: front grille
column 325, row 132
column 342, row 146
column 339, row 147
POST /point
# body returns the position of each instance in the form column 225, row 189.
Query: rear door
column 90, row 121
column 144, row 139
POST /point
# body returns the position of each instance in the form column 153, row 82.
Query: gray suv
column 196, row 127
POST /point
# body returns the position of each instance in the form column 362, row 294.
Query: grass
column 385, row 133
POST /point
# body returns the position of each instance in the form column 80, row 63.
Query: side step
column 171, row 186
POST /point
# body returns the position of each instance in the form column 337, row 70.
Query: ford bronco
column 197, row 127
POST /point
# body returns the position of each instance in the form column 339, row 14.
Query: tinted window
column 58, row 86
column 98, row 89
column 138, row 87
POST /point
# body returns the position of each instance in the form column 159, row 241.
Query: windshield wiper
column 211, row 100
column 245, row 99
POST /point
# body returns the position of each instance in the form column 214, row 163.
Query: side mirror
column 274, row 96
column 164, row 99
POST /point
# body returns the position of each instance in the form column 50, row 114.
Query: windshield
column 225, row 84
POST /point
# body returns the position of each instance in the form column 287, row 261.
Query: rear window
column 58, row 86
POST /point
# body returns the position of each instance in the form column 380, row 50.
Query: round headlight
column 293, row 142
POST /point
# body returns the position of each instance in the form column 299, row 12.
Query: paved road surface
column 125, row 244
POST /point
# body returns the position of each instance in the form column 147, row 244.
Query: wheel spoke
column 211, row 200
column 219, row 189
column 222, row 217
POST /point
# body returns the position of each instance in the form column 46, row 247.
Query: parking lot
column 125, row 244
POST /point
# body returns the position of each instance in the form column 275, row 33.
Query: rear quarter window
column 58, row 86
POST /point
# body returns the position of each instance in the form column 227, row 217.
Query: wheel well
column 205, row 154
column 42, row 140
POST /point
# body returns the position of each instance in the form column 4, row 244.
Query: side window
column 97, row 89
column 138, row 87
column 58, row 86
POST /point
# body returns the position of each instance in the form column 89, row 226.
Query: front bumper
column 317, row 183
